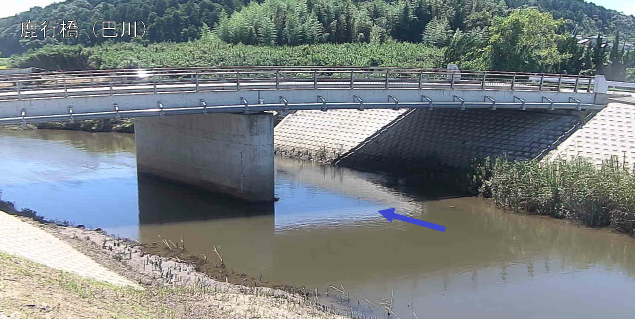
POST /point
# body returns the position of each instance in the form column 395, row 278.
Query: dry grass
column 31, row 290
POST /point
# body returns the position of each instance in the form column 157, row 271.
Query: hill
column 294, row 22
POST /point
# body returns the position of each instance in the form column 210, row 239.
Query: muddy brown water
column 325, row 230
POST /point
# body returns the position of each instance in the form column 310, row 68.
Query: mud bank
column 172, row 276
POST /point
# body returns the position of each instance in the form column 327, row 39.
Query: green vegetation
column 630, row 74
column 105, row 125
column 4, row 63
column 574, row 189
column 210, row 52
column 300, row 21
column 475, row 34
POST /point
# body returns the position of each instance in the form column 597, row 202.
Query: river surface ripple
column 325, row 230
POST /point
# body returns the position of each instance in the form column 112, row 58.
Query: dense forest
column 512, row 35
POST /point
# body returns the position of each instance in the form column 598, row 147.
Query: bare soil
column 173, row 285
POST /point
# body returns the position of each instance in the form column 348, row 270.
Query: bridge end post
column 600, row 88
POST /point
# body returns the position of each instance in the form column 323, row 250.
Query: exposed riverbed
column 325, row 230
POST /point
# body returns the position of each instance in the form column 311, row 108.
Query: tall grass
column 595, row 195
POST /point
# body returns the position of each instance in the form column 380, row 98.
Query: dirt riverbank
column 173, row 288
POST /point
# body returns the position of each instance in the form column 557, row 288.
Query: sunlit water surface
column 325, row 230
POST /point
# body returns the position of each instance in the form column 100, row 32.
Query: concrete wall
column 225, row 153
column 454, row 138
column 417, row 137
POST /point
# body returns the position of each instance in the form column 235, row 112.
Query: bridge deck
column 22, row 95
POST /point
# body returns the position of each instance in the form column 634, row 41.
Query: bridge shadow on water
column 162, row 201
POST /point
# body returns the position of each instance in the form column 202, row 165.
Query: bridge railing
column 175, row 80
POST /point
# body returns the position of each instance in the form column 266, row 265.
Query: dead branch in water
column 222, row 262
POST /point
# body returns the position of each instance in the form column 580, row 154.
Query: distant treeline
column 297, row 22
column 475, row 34
column 214, row 52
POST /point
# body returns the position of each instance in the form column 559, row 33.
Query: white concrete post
column 600, row 86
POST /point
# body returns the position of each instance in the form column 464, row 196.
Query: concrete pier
column 230, row 154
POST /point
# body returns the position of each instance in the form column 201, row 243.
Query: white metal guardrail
column 48, row 97
column 174, row 80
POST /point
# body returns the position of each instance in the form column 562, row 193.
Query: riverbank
column 171, row 288
column 576, row 189
column 105, row 125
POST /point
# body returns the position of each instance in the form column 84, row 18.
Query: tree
column 527, row 41
column 466, row 49
column 630, row 74
column 599, row 55
column 437, row 33
column 575, row 63
column 616, row 69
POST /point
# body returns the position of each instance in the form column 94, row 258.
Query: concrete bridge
column 213, row 127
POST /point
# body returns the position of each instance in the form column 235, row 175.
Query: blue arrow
column 389, row 214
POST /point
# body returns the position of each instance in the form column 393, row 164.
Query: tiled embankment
column 386, row 139
column 611, row 132
column 324, row 136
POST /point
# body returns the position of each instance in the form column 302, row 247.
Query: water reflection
column 325, row 229
column 162, row 202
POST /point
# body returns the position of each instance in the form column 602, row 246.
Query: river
column 325, row 230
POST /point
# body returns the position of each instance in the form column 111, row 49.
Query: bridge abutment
column 230, row 154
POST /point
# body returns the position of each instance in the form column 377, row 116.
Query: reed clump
column 576, row 189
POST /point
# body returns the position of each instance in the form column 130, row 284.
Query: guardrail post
column 513, row 81
column 17, row 85
column 483, row 83
column 65, row 88
column 237, row 80
column 277, row 79
column 542, row 82
column 351, row 79
column 196, row 76
column 315, row 80
column 387, row 78
column 559, row 82
column 452, row 81
column 154, row 86
column 577, row 82
column 110, row 83
column 588, row 89
column 420, row 79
